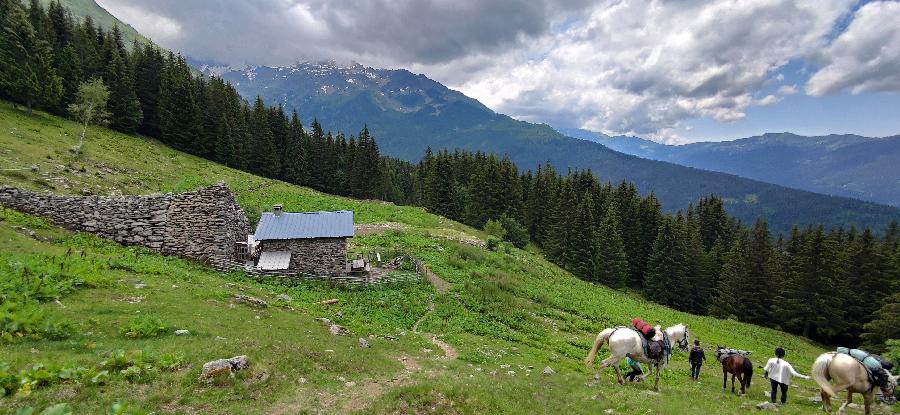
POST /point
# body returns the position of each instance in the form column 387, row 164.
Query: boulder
column 251, row 301
column 766, row 406
column 548, row 370
column 223, row 367
column 182, row 332
column 338, row 330
column 284, row 297
column 363, row 343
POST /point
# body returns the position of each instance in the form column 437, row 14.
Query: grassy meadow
column 92, row 306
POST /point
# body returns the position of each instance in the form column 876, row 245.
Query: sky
column 673, row 71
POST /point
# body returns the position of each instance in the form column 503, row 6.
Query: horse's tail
column 598, row 343
column 819, row 372
column 748, row 370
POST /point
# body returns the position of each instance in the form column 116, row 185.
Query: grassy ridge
column 509, row 307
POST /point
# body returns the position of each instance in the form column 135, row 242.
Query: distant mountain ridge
column 838, row 164
column 408, row 113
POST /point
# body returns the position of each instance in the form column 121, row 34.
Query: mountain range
column 843, row 165
column 409, row 113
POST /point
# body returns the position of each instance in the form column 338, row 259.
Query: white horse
column 624, row 341
column 847, row 373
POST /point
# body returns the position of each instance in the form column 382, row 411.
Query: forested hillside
column 843, row 165
column 410, row 113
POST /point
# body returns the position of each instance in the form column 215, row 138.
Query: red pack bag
column 642, row 326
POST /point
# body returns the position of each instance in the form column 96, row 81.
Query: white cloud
column 643, row 67
column 865, row 57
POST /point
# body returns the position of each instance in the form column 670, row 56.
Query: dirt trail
column 449, row 351
column 439, row 284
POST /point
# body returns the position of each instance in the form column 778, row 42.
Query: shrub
column 515, row 233
column 494, row 228
column 143, row 327
column 172, row 361
column 492, row 244
column 9, row 382
column 139, row 373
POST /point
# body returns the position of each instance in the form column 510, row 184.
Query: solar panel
column 274, row 260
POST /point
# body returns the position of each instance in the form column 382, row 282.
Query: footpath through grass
column 508, row 313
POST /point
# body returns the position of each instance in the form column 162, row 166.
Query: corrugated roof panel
column 274, row 260
column 305, row 225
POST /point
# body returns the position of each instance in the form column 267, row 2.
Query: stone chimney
column 277, row 209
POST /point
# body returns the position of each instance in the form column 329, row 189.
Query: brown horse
column 739, row 366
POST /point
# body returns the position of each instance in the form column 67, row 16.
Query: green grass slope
column 103, row 18
column 509, row 307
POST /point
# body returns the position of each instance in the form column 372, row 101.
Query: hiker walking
column 635, row 369
column 696, row 359
column 779, row 372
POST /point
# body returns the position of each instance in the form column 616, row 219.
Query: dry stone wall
column 201, row 225
column 317, row 256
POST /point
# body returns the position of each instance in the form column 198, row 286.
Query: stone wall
column 318, row 256
column 201, row 225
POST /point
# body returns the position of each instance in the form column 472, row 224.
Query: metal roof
column 305, row 225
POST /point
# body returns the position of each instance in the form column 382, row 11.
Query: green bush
column 172, row 361
column 494, row 228
column 143, row 327
column 514, row 232
column 492, row 244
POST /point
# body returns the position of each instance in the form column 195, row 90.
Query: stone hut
column 309, row 242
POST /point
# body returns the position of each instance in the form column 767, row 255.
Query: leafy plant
column 172, row 361
column 143, row 327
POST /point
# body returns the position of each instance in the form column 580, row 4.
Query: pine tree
column 866, row 271
column 148, row 71
column 560, row 225
column 664, row 282
column 296, row 156
column 726, row 302
column 123, row 106
column 69, row 70
column 612, row 265
column 811, row 298
column 581, row 253
column 885, row 325
column 263, row 159
column 757, row 288
column 177, row 105
column 26, row 71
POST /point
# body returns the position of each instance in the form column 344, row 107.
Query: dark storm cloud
column 401, row 32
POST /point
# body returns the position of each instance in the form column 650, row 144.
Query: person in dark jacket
column 696, row 359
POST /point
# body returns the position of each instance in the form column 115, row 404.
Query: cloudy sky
column 674, row 71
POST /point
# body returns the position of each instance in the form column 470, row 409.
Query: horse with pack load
column 643, row 343
column 855, row 371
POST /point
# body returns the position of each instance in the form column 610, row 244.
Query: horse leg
column 867, row 401
column 609, row 361
column 724, row 380
column 826, row 401
column 732, row 382
column 741, row 380
column 843, row 407
column 656, row 384
column 619, row 375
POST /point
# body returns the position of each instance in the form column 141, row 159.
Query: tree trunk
column 28, row 103
column 807, row 327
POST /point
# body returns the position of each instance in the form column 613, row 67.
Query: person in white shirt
column 779, row 372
